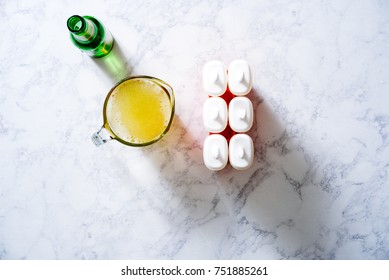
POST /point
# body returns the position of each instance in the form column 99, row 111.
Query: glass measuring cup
column 138, row 111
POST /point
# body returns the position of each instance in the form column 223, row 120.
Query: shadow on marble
column 244, row 212
column 267, row 199
column 254, row 208
column 244, row 182
column 176, row 152
column 114, row 64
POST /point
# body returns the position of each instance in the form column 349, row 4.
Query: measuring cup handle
column 101, row 137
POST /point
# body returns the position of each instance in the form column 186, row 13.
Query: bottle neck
column 82, row 29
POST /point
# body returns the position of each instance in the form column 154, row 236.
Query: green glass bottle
column 90, row 36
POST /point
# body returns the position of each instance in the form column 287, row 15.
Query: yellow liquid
column 138, row 111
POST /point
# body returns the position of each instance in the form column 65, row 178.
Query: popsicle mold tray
column 227, row 115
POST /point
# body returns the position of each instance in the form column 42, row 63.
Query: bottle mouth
column 76, row 24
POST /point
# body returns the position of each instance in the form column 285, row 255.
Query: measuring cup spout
column 101, row 137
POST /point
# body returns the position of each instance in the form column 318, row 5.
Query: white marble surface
column 319, row 186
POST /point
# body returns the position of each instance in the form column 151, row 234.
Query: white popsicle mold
column 215, row 152
column 215, row 115
column 239, row 115
column 240, row 81
column 215, row 78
